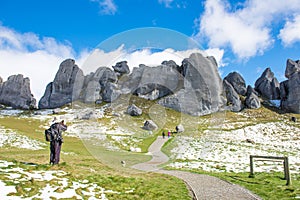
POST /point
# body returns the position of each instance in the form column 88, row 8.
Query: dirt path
column 202, row 186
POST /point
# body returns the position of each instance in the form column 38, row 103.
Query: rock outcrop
column 65, row 88
column 202, row 90
column 290, row 89
column 15, row 92
column 237, row 82
column 268, row 86
column 150, row 82
column 121, row 68
column 252, row 101
column 233, row 99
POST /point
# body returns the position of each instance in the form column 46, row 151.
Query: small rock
column 150, row 125
column 250, row 141
column 133, row 110
column 179, row 128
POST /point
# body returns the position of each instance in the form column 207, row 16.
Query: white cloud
column 248, row 30
column 34, row 57
column 107, row 7
column 290, row 32
column 100, row 58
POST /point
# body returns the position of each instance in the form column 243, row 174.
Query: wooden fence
column 287, row 175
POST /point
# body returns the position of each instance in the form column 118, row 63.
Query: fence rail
column 287, row 175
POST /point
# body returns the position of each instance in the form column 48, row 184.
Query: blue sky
column 246, row 36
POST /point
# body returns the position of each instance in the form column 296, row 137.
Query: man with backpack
column 54, row 136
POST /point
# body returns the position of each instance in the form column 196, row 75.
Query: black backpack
column 48, row 134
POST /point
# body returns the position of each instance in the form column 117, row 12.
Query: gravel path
column 202, row 186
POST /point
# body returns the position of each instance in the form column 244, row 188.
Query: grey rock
column 179, row 128
column 92, row 91
column 15, row 92
column 237, row 81
column 290, row 100
column 202, row 91
column 121, row 67
column 65, row 88
column 110, row 92
column 252, row 101
column 2, row 106
column 105, row 75
column 133, row 110
column 268, row 86
column 56, row 111
column 87, row 115
column 172, row 64
column 291, row 67
column 151, row 82
column 150, row 125
column 1, row 80
column 99, row 101
column 233, row 98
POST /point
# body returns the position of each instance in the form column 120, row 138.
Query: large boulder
column 121, row 68
column 110, row 92
column 15, row 92
column 268, row 86
column 202, row 91
column 151, row 82
column 233, row 99
column 291, row 100
column 252, row 101
column 133, row 110
column 292, row 67
column 65, row 88
column 237, row 82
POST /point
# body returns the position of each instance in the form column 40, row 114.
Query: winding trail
column 202, row 186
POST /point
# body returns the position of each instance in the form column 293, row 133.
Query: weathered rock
column 237, row 82
column 202, row 92
column 268, row 86
column 150, row 125
column 252, row 100
column 292, row 67
column 233, row 98
column 284, row 90
column 15, row 92
column 133, row 110
column 1, row 80
column 110, row 92
column 65, row 88
column 291, row 100
column 92, row 91
column 172, row 64
column 151, row 82
column 179, row 128
column 105, row 75
column 121, row 68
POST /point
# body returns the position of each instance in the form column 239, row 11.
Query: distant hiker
column 56, row 140
column 169, row 134
column 163, row 134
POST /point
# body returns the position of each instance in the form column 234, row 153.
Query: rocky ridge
column 194, row 87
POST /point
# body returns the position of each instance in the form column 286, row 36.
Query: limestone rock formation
column 292, row 67
column 65, row 88
column 268, row 86
column 237, row 82
column 121, row 68
column 290, row 89
column 150, row 82
column 233, row 99
column 252, row 100
column 202, row 90
column 133, row 110
column 15, row 92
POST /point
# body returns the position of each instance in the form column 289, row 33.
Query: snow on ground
column 10, row 138
column 57, row 185
column 230, row 150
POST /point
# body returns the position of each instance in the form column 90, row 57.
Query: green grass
column 84, row 164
